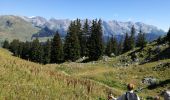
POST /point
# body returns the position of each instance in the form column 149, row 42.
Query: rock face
column 23, row 28
column 113, row 27
column 149, row 80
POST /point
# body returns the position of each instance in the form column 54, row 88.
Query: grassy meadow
column 23, row 80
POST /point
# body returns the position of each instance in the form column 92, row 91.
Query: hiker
column 167, row 94
column 129, row 95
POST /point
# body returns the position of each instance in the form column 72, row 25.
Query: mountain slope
column 25, row 28
column 14, row 27
column 109, row 27
column 22, row 79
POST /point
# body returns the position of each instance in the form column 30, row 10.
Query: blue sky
column 154, row 12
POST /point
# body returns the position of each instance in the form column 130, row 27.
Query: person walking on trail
column 129, row 95
column 167, row 94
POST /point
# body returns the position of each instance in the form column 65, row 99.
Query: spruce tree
column 159, row 40
column 72, row 44
column 126, row 45
column 20, row 49
column 84, row 39
column 100, row 43
column 36, row 51
column 47, row 52
column 108, row 49
column 168, row 36
column 120, row 47
column 81, row 36
column 14, row 47
column 26, row 52
column 114, row 45
column 111, row 47
column 141, row 41
column 56, row 49
column 96, row 41
column 6, row 44
column 132, row 38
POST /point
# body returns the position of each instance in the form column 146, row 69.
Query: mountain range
column 27, row 28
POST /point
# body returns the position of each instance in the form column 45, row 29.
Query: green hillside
column 14, row 27
column 22, row 79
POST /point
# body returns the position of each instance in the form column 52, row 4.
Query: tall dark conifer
column 57, row 49
column 96, row 41
column 114, row 45
column 72, row 44
column 26, row 52
column 14, row 47
column 168, row 36
column 36, row 51
column 47, row 52
column 6, row 44
column 120, row 47
column 20, row 48
column 132, row 38
column 111, row 47
column 108, row 49
column 126, row 45
column 141, row 41
column 84, row 39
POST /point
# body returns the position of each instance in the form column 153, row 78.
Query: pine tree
column 14, row 47
column 108, row 49
column 57, row 49
column 114, row 45
column 81, row 36
column 96, row 41
column 159, row 40
column 47, row 52
column 126, row 45
column 36, row 51
column 20, row 49
column 120, row 47
column 111, row 47
column 141, row 41
column 78, row 25
column 72, row 44
column 132, row 38
column 168, row 36
column 84, row 39
column 26, row 52
column 6, row 44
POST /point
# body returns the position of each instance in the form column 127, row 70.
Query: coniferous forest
column 80, row 41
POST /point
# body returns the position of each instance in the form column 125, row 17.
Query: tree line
column 82, row 40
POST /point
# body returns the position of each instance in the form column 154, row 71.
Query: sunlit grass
column 20, row 79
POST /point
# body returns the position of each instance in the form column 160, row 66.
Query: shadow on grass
column 88, row 60
column 160, row 84
column 136, row 51
column 162, row 55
